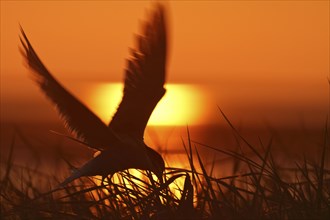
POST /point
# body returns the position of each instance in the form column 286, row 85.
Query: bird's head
column 157, row 163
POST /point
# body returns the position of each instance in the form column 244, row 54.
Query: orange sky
column 255, row 57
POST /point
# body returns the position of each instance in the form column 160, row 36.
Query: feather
column 144, row 78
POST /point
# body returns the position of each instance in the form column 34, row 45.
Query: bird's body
column 109, row 160
column 121, row 142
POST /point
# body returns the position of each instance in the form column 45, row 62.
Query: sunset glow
column 242, row 130
column 272, row 67
column 182, row 104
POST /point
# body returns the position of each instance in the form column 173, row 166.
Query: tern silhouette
column 121, row 142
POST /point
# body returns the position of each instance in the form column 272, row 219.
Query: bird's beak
column 160, row 178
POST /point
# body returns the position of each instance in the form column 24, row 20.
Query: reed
column 265, row 190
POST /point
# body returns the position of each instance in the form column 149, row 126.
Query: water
column 34, row 116
column 288, row 145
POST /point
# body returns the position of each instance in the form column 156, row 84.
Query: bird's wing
column 144, row 78
column 78, row 118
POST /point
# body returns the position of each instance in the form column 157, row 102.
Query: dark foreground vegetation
column 264, row 189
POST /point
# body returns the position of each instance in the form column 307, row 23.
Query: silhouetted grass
column 262, row 190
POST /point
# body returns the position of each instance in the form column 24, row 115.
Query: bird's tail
column 75, row 175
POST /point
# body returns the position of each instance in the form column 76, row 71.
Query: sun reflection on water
column 140, row 178
column 176, row 187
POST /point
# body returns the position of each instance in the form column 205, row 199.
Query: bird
column 121, row 142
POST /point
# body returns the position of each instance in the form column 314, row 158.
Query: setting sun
column 182, row 104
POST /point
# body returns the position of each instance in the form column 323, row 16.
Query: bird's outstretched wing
column 78, row 118
column 144, row 78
